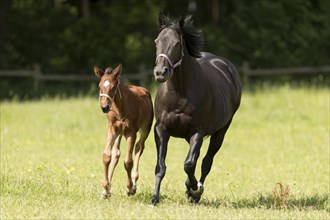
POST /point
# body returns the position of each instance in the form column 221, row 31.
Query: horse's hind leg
column 128, row 163
column 214, row 146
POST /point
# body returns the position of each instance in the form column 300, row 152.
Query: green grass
column 51, row 163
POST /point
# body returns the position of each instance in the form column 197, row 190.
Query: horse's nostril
column 160, row 73
column 165, row 70
column 161, row 70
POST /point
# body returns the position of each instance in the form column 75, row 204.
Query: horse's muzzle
column 161, row 74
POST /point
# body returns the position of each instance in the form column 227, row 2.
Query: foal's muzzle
column 106, row 108
column 105, row 102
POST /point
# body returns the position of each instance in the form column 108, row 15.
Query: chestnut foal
column 129, row 109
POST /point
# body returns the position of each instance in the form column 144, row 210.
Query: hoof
column 192, row 198
column 195, row 195
column 131, row 192
column 105, row 195
column 154, row 200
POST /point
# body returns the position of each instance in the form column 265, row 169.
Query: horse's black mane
column 193, row 37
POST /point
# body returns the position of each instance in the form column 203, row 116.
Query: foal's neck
column 117, row 105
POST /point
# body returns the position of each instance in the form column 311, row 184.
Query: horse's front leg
column 128, row 163
column 161, row 138
column 194, row 190
column 107, row 159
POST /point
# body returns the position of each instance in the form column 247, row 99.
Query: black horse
column 198, row 96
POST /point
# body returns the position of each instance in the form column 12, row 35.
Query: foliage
column 51, row 162
column 55, row 35
column 58, row 39
column 273, row 33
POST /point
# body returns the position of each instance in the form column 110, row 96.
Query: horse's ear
column 117, row 70
column 181, row 22
column 162, row 20
column 185, row 21
column 98, row 72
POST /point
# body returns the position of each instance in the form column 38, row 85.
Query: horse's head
column 109, row 82
column 169, row 48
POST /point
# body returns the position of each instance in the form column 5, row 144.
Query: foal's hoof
column 131, row 192
column 105, row 195
column 154, row 200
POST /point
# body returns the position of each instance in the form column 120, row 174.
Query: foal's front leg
column 110, row 157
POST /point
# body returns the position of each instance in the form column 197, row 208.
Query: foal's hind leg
column 128, row 163
column 139, row 147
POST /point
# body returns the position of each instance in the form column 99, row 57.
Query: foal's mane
column 193, row 38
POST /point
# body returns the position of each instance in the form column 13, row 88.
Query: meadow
column 274, row 163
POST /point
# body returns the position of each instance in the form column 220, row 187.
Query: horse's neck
column 187, row 74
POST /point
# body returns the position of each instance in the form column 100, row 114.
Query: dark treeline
column 71, row 36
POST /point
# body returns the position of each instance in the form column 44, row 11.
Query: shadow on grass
column 314, row 202
column 145, row 197
column 268, row 201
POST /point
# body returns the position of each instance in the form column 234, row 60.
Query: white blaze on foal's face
column 106, row 83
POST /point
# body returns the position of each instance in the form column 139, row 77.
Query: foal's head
column 109, row 82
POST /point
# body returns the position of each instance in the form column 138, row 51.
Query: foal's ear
column 117, row 70
column 98, row 72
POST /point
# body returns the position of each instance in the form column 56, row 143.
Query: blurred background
column 49, row 47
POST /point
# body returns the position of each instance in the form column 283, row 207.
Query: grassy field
column 51, row 163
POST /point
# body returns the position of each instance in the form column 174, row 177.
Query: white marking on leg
column 200, row 188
